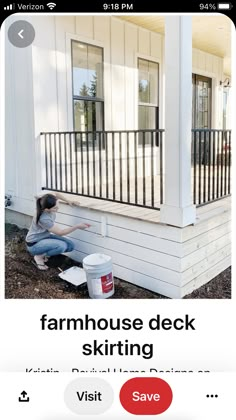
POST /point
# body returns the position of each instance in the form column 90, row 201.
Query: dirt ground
column 24, row 281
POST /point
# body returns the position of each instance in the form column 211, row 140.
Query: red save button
column 146, row 396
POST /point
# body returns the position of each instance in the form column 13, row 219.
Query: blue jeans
column 54, row 245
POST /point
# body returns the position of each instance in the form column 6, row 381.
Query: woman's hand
column 83, row 226
column 73, row 203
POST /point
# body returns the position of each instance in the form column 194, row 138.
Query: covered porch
column 158, row 199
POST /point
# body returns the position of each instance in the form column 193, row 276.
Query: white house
column 135, row 111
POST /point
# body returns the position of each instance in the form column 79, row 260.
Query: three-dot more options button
column 146, row 396
column 85, row 396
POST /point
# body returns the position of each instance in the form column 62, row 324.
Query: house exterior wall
column 39, row 94
column 19, row 123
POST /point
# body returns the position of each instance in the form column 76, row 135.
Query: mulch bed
column 24, row 281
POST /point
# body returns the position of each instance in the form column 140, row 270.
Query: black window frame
column 195, row 79
column 90, row 99
column 150, row 105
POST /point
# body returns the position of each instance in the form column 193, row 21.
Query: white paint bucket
column 98, row 268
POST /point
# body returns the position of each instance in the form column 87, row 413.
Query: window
column 88, row 98
column 148, row 99
column 201, row 107
column 201, row 113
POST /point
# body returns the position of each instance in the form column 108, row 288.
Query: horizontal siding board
column 123, row 246
column 154, row 229
column 126, row 235
column 202, row 240
column 202, row 266
column 202, row 227
column 205, row 251
column 206, row 276
column 142, row 267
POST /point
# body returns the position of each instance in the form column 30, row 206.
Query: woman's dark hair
column 47, row 201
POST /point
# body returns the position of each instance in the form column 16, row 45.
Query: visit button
column 146, row 396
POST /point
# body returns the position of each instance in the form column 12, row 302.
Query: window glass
column 88, row 103
column 148, row 99
column 87, row 64
column 148, row 81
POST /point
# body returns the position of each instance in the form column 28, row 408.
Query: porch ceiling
column 211, row 34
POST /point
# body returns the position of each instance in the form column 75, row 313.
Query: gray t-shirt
column 40, row 231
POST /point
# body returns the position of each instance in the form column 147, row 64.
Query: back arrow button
column 20, row 34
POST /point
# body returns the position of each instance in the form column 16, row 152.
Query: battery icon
column 224, row 6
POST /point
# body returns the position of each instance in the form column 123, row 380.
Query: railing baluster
column 55, row 159
column 71, row 163
column 50, row 159
column 94, row 167
column 87, row 152
column 144, row 170
column 152, row 169
column 76, row 163
column 82, row 163
column 200, row 168
column 229, row 169
column 65, row 156
column 60, row 161
column 161, row 169
column 214, row 165
column 209, row 167
column 128, row 170
column 107, row 167
column 120, row 165
column 113, row 167
column 136, row 167
column 100, row 165
column 218, row 165
column 222, row 166
column 204, row 167
column 194, row 166
column 225, row 161
column 46, row 159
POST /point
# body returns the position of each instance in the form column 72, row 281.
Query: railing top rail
column 210, row 129
column 160, row 130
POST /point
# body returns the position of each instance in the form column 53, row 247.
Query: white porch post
column 178, row 209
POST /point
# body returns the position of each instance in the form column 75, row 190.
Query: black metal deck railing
column 128, row 166
column 211, row 163
column 119, row 166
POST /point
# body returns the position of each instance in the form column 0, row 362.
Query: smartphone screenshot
column 117, row 286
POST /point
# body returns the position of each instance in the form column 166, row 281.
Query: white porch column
column 178, row 209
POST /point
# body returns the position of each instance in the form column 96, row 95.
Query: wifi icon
column 51, row 5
